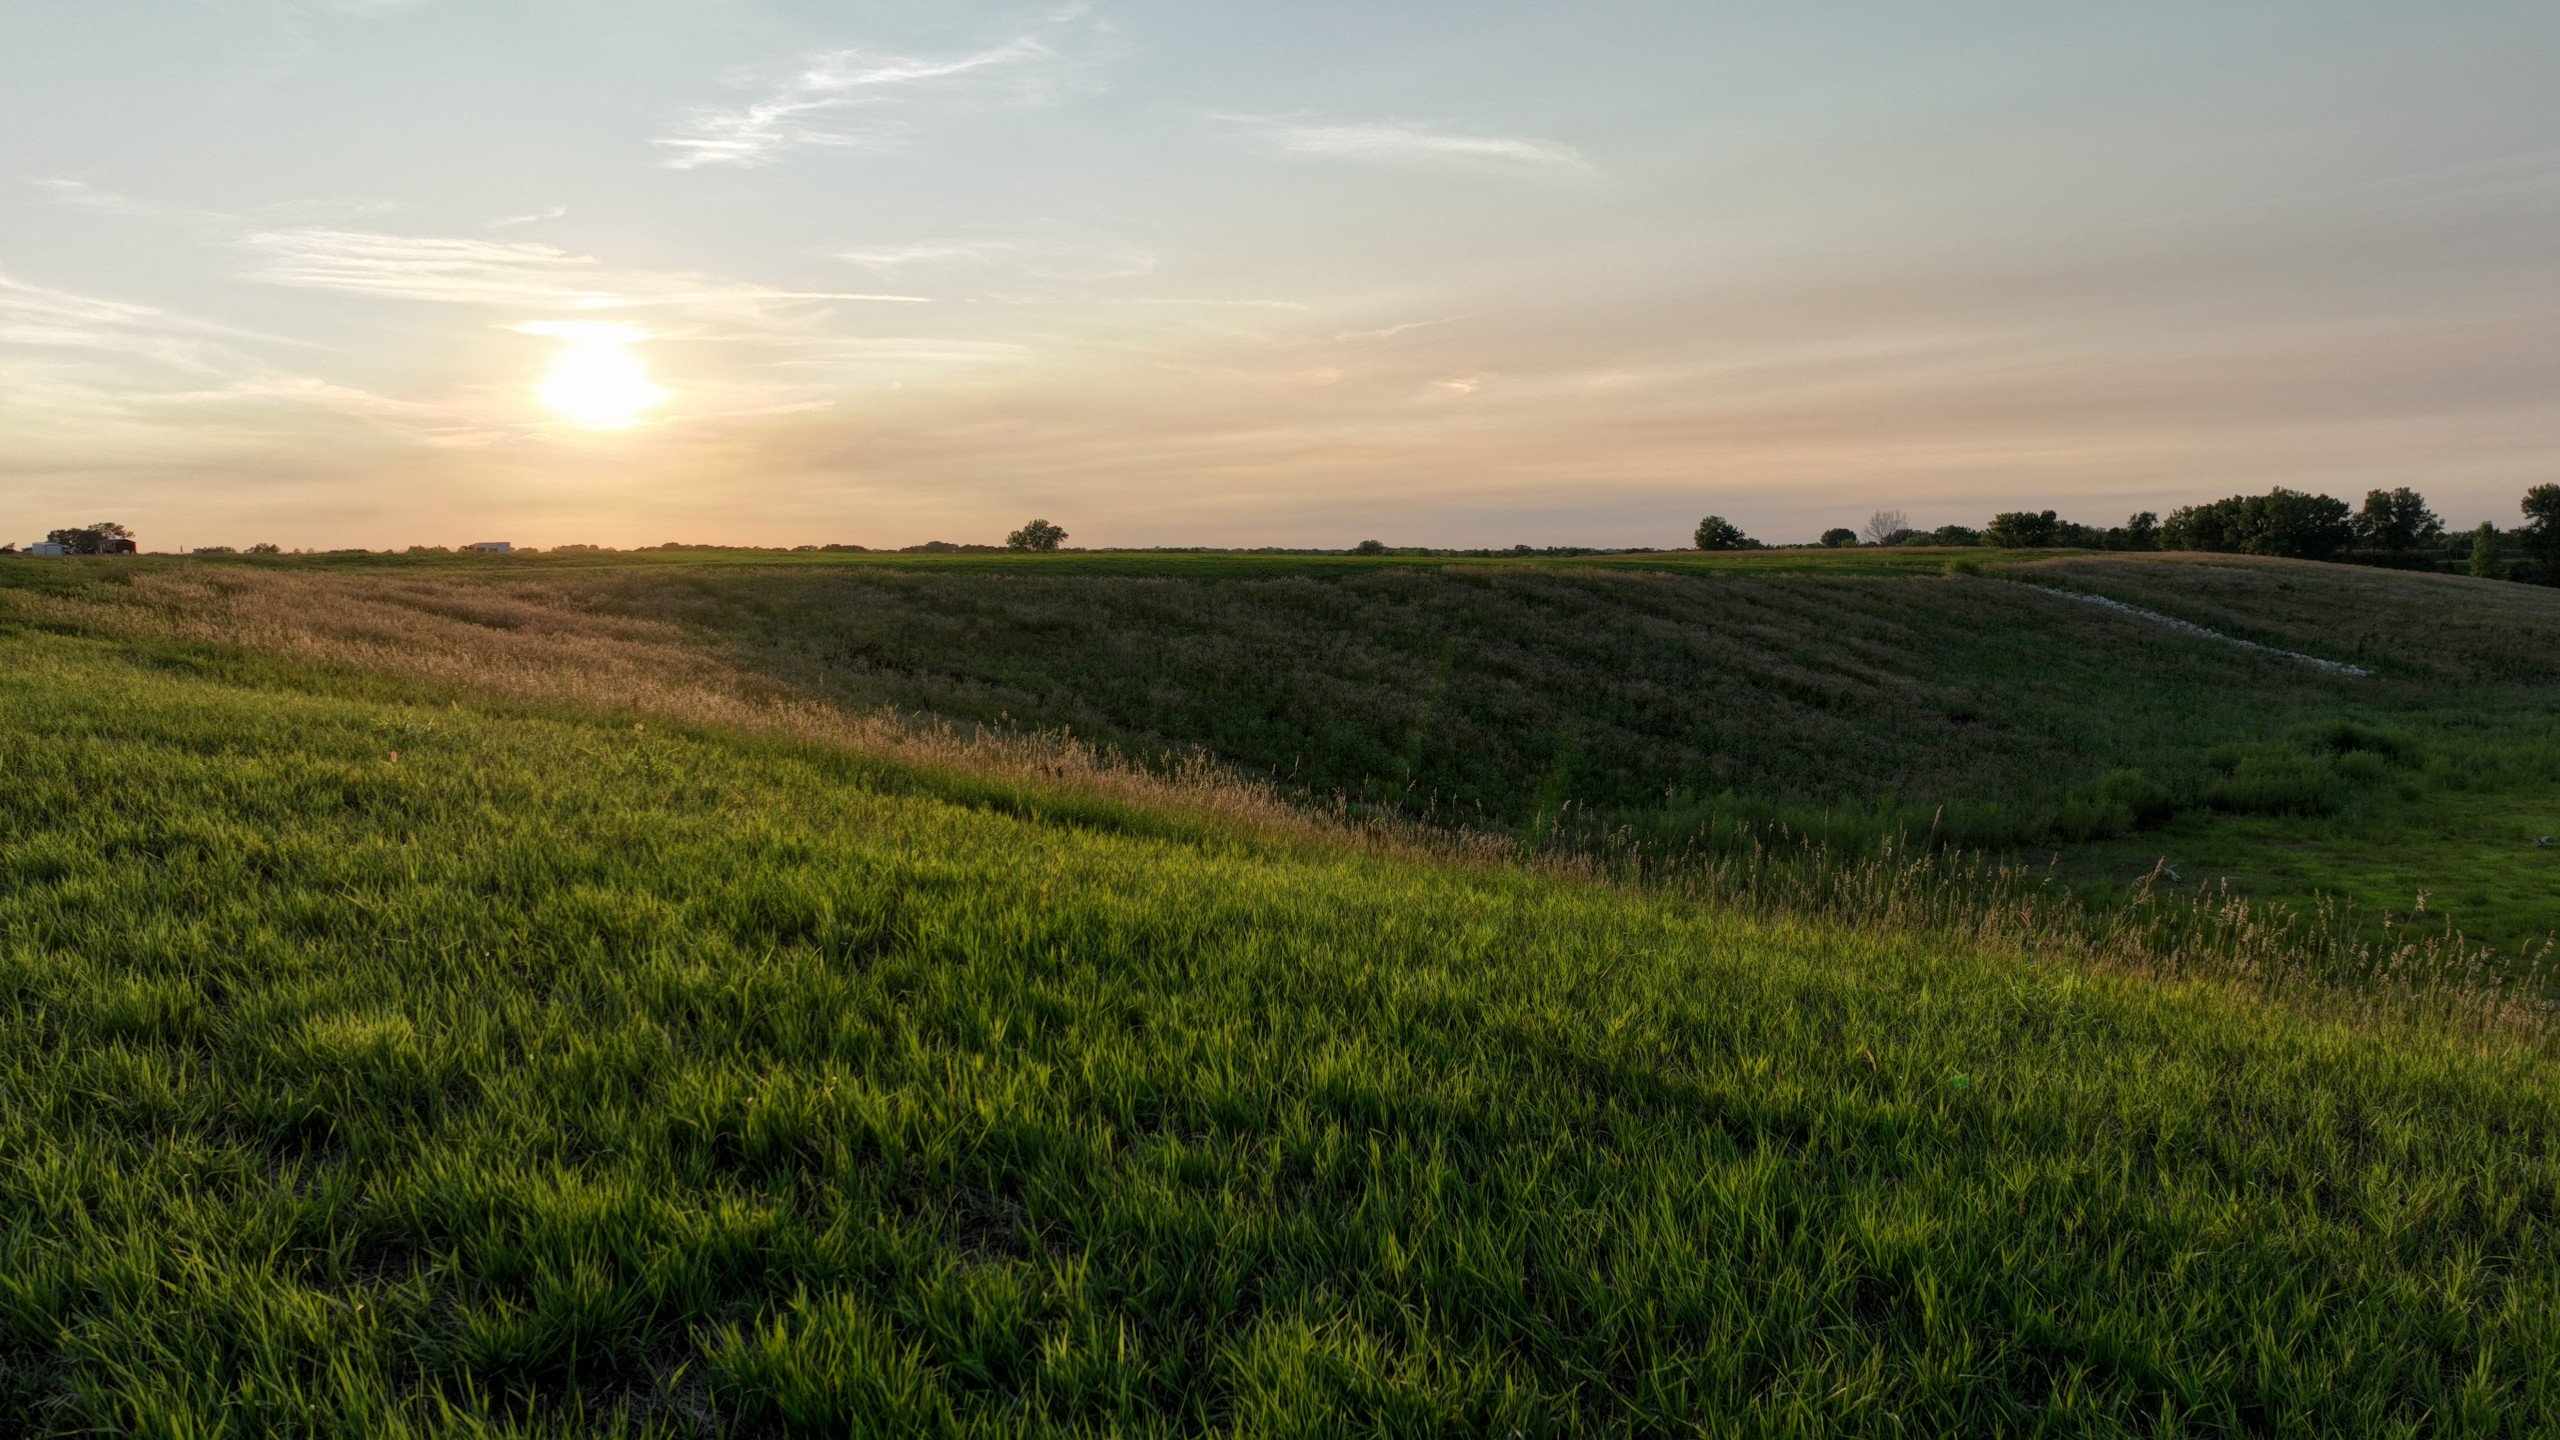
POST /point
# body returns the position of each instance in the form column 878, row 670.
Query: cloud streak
column 39, row 316
column 810, row 108
column 495, row 273
column 1400, row 143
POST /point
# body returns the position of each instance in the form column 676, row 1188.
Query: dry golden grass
column 543, row 650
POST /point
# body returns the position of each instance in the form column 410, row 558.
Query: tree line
column 2394, row 527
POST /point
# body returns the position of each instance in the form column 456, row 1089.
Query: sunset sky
column 382, row 272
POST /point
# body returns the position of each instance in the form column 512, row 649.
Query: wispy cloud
column 114, row 363
column 36, row 315
column 927, row 254
column 987, row 258
column 552, row 213
column 503, row 274
column 810, row 107
column 1401, row 143
column 1389, row 332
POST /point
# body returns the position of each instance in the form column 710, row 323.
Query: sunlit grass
column 380, row 1064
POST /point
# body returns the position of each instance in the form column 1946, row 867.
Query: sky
column 335, row 273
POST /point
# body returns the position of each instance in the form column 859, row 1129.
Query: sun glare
column 596, row 382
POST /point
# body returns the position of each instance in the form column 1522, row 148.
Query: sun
column 596, row 382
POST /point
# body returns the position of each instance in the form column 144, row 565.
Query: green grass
column 1675, row 697
column 564, row 1077
column 1661, row 697
column 1681, row 700
column 1160, row 564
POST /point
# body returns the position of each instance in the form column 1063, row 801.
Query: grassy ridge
column 1671, row 699
column 1497, row 690
column 1676, row 702
column 381, row 1065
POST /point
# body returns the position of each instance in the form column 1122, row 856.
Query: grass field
column 1676, row 700
column 387, row 1056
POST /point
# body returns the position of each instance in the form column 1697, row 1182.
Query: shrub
column 1839, row 536
column 2314, row 770
column 2112, row 804
column 2274, row 780
column 2347, row 737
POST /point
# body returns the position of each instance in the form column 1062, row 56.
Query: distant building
column 493, row 547
column 48, row 547
column 118, row 545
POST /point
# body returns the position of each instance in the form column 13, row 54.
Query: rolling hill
column 539, row 1000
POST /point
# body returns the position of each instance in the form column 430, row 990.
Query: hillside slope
column 383, row 1063
column 1681, row 702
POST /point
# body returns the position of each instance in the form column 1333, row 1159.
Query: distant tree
column 1370, row 547
column 2201, row 527
column 2139, row 532
column 2484, row 552
column 95, row 539
column 2542, row 506
column 1039, row 535
column 2280, row 522
column 1885, row 527
column 1955, row 535
column 1717, row 533
column 264, row 548
column 2023, row 530
column 1842, row 535
column 2397, row 522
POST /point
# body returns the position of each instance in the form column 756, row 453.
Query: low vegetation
column 594, row 995
column 1678, row 704
column 390, row 1061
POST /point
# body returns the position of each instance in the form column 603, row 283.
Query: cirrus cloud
column 810, row 107
column 1404, row 143
column 502, row 273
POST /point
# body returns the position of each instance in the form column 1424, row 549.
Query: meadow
column 1681, row 703
column 527, row 1000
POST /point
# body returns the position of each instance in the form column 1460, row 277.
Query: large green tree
column 91, row 539
column 1717, row 533
column 1039, row 535
column 2484, row 552
column 2397, row 522
column 2024, row 530
column 2542, row 532
column 2280, row 522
